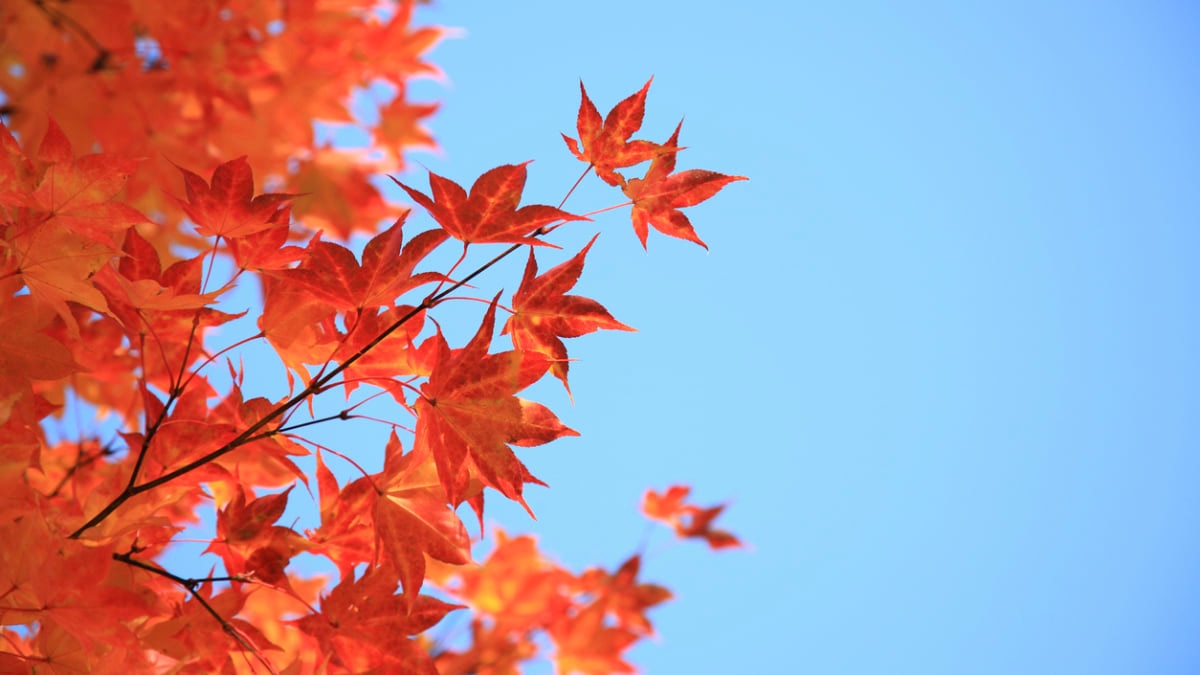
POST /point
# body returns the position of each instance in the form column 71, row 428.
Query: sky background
column 942, row 357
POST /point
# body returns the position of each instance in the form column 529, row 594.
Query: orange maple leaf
column 606, row 145
column 625, row 598
column 585, row 644
column 658, row 196
column 516, row 583
column 544, row 313
column 228, row 208
column 413, row 520
column 346, row 535
column 400, row 127
column 364, row 627
column 340, row 198
column 489, row 214
column 688, row 520
column 330, row 274
column 666, row 506
column 468, row 414
column 57, row 265
column 80, row 192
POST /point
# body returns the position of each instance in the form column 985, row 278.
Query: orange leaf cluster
column 660, row 193
column 519, row 596
column 116, row 269
column 688, row 520
column 193, row 83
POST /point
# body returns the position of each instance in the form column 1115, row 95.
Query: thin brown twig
column 312, row 388
column 59, row 18
column 191, row 585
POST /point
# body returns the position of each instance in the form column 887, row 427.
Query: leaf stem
column 577, row 182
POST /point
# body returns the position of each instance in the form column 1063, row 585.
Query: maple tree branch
column 81, row 460
column 213, row 357
column 310, row 389
column 191, row 585
column 151, row 429
column 343, row 415
column 58, row 18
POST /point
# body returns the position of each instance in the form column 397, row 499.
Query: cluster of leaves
column 193, row 83
column 99, row 305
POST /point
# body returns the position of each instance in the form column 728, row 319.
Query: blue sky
column 942, row 357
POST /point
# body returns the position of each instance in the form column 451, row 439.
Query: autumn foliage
column 155, row 160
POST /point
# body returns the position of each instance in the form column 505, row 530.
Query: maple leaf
column 400, row 125
column 606, row 145
column 467, row 415
column 666, row 506
column 364, row 625
column 62, row 584
column 28, row 353
column 228, row 208
column 301, row 331
column 687, row 520
column 624, row 598
column 658, row 196
column 340, row 198
column 267, row 249
column 489, row 213
column 516, row 583
column 388, row 362
column 413, row 520
column 494, row 650
column 57, row 265
column 346, row 535
column 330, row 274
column 79, row 192
column 192, row 635
column 544, row 313
column 137, row 286
column 584, row 644
column 249, row 542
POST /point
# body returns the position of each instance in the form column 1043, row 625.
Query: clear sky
column 942, row 357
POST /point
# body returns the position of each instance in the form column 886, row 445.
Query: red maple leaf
column 413, row 520
column 330, row 274
column 364, row 627
column 606, row 145
column 489, row 214
column 544, row 313
column 468, row 414
column 658, row 196
column 228, row 208
column 80, row 192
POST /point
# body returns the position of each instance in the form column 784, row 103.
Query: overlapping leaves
column 100, row 304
